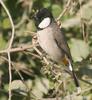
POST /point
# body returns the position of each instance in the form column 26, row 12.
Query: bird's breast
column 48, row 44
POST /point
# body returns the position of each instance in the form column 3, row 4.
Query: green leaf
column 2, row 42
column 47, row 3
column 86, row 11
column 30, row 26
column 6, row 23
column 41, row 87
column 56, row 10
column 19, row 86
column 79, row 49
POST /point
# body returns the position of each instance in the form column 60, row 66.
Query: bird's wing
column 61, row 42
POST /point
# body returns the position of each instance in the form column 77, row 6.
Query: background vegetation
column 32, row 77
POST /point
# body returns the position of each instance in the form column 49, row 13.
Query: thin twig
column 10, row 44
column 23, row 19
column 65, row 9
column 83, row 24
column 40, row 53
column 44, row 58
column 33, row 54
column 10, row 75
column 11, row 21
column 86, row 90
column 18, row 49
column 13, row 64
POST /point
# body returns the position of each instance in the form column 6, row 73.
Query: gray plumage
column 53, row 42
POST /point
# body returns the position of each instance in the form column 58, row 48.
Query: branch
column 11, row 21
column 18, row 49
column 10, row 44
column 65, row 9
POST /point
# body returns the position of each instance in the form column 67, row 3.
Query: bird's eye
column 41, row 18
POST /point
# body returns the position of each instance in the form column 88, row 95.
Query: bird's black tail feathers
column 75, row 79
column 74, row 75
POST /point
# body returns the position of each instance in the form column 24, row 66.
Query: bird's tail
column 74, row 75
column 75, row 78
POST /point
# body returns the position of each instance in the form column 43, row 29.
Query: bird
column 53, row 41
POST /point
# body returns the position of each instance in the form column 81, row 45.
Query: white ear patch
column 45, row 22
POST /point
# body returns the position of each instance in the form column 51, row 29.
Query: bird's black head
column 43, row 18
